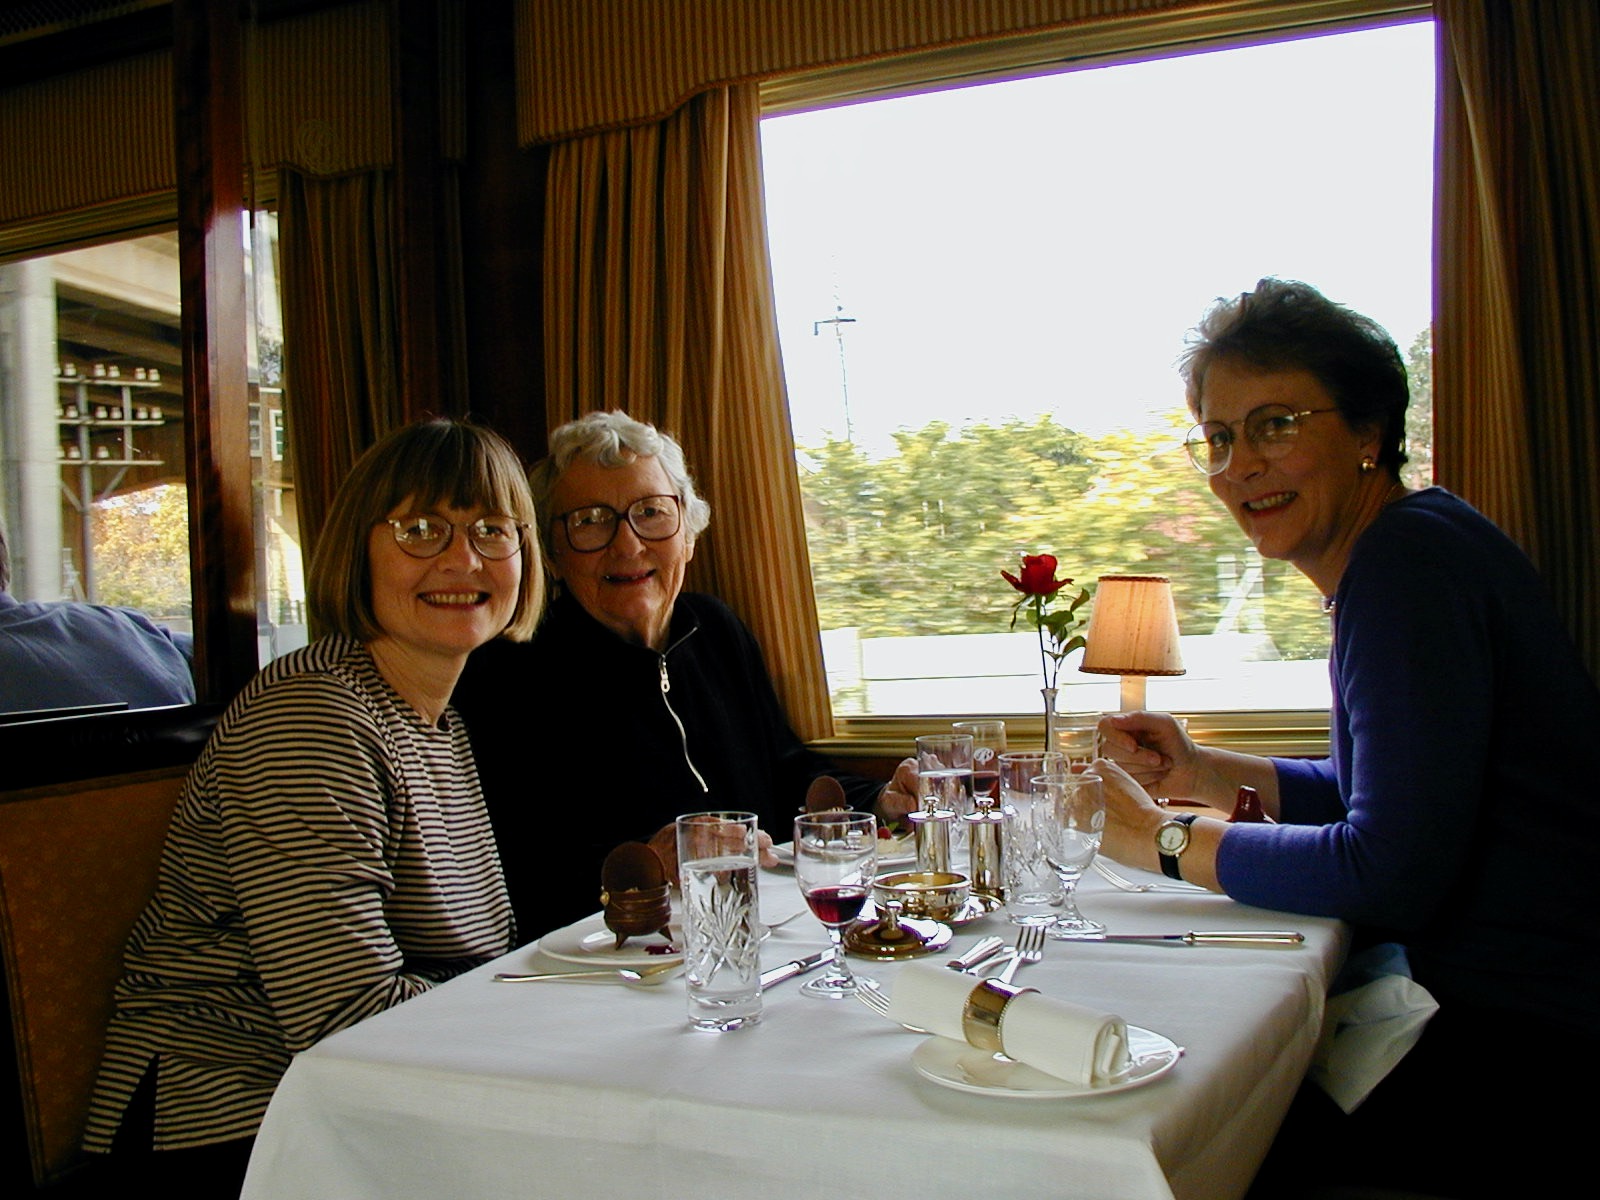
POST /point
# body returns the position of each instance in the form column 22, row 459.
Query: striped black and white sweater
column 329, row 857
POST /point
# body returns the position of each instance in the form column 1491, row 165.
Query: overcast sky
column 1042, row 246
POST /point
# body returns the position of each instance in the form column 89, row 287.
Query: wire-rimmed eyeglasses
column 1271, row 430
column 594, row 526
column 427, row 536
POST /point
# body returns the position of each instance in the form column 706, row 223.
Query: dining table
column 599, row 1088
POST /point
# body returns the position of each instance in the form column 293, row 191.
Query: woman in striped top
column 330, row 855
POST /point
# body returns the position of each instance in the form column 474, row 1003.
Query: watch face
column 1172, row 838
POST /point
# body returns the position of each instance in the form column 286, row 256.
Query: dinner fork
column 1030, row 949
column 873, row 998
column 779, row 924
column 1128, row 885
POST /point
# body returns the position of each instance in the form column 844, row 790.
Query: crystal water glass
column 1033, row 890
column 717, row 860
column 1077, row 808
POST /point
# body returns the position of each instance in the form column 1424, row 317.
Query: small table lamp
column 1133, row 632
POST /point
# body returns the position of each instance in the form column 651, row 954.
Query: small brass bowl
column 938, row 895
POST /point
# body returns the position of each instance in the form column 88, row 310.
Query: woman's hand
column 1131, row 817
column 899, row 795
column 1154, row 751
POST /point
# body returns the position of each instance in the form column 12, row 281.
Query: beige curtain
column 658, row 300
column 335, row 241
column 1517, row 335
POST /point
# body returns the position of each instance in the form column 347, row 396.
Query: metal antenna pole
column 839, row 321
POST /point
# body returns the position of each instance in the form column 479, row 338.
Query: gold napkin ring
column 980, row 1016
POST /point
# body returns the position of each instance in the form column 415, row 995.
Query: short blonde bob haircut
column 424, row 466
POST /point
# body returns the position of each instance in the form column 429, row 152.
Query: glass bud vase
column 1049, row 695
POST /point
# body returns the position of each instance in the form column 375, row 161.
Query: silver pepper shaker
column 932, row 838
column 985, row 842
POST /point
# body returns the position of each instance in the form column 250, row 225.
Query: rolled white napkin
column 931, row 998
column 1057, row 1037
column 1064, row 1039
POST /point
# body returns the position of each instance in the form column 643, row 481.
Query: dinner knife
column 1208, row 937
column 982, row 949
column 798, row 967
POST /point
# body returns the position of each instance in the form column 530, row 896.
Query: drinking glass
column 988, row 744
column 717, row 860
column 835, row 857
column 944, row 784
column 1077, row 806
column 944, row 772
column 1078, row 737
column 1033, row 891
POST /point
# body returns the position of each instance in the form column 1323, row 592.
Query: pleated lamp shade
column 1133, row 632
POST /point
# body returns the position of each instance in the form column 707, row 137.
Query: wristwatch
column 1172, row 839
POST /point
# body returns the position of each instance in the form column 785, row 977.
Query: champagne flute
column 835, row 857
column 1076, row 820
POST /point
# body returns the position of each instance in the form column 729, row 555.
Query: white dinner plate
column 892, row 852
column 957, row 1065
column 589, row 941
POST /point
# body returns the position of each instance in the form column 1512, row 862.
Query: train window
column 96, row 499
column 982, row 292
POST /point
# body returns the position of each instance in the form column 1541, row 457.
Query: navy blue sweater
column 1454, row 814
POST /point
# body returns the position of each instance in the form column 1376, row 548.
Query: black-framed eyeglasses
column 594, row 526
column 426, row 535
column 1271, row 430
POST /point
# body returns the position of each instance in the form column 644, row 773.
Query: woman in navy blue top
column 1451, row 814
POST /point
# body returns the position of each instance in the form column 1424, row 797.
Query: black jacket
column 579, row 747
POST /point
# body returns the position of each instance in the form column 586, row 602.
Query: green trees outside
column 1419, row 414
column 141, row 551
column 914, row 543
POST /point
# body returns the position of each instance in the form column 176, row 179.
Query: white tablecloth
column 484, row 1089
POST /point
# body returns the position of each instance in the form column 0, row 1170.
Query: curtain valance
column 586, row 67
column 318, row 99
column 87, row 139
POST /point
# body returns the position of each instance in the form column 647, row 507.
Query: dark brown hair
column 1283, row 326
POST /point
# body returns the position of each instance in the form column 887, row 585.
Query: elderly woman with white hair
column 636, row 701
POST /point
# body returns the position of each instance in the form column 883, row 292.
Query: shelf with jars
column 99, row 415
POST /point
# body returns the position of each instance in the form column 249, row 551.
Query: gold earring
column 1368, row 466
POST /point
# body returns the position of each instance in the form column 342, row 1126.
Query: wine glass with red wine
column 835, row 856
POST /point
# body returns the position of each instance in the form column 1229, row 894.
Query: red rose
column 1038, row 576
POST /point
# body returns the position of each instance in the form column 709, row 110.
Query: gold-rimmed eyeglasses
column 1271, row 430
column 594, row 526
column 427, row 536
